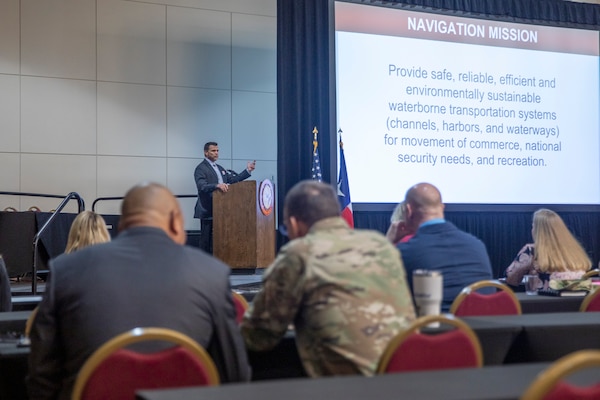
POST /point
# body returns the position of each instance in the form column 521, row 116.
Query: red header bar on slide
column 378, row 20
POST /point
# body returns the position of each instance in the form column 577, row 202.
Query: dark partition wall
column 306, row 99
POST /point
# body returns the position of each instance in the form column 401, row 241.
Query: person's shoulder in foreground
column 344, row 289
column 146, row 277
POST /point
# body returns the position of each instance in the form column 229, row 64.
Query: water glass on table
column 532, row 283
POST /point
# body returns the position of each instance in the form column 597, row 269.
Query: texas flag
column 344, row 188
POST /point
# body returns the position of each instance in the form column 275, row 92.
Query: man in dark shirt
column 439, row 245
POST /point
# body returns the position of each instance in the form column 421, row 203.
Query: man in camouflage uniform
column 344, row 290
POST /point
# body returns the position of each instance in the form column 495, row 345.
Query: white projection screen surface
column 490, row 112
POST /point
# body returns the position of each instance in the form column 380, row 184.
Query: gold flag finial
column 340, row 133
column 315, row 142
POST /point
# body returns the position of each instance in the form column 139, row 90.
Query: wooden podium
column 244, row 224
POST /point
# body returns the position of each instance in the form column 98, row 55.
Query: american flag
column 316, row 162
column 344, row 188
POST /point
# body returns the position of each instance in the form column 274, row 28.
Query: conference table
column 13, row 359
column 504, row 339
column 508, row 339
column 535, row 304
column 530, row 304
column 26, row 302
column 497, row 382
column 547, row 336
column 13, row 321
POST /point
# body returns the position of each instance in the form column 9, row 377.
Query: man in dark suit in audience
column 145, row 277
column 439, row 245
column 210, row 176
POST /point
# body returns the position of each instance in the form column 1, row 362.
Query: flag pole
column 316, row 162
column 344, row 187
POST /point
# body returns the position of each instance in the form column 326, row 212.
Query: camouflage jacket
column 345, row 292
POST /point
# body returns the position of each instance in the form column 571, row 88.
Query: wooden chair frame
column 29, row 322
column 239, row 297
column 547, row 379
column 590, row 273
column 482, row 284
column 588, row 299
column 423, row 322
column 137, row 335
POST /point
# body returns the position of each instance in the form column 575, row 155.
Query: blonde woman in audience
column 88, row 228
column 398, row 232
column 554, row 255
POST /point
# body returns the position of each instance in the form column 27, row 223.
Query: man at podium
column 210, row 176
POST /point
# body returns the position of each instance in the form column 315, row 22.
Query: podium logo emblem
column 266, row 197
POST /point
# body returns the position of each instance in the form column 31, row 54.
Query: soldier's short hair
column 311, row 201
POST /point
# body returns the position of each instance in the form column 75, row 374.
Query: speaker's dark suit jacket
column 206, row 182
column 141, row 279
column 459, row 256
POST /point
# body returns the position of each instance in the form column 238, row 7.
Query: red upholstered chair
column 549, row 385
column 470, row 303
column 591, row 302
column 241, row 305
column 412, row 350
column 113, row 372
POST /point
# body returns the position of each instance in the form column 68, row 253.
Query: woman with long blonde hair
column 555, row 254
column 88, row 228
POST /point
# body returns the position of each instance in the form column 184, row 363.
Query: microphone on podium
column 232, row 172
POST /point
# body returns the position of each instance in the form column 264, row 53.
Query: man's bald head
column 424, row 202
column 152, row 204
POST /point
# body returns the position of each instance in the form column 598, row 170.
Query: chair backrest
column 549, row 384
column 412, row 350
column 590, row 273
column 241, row 305
column 113, row 372
column 591, row 302
column 470, row 303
